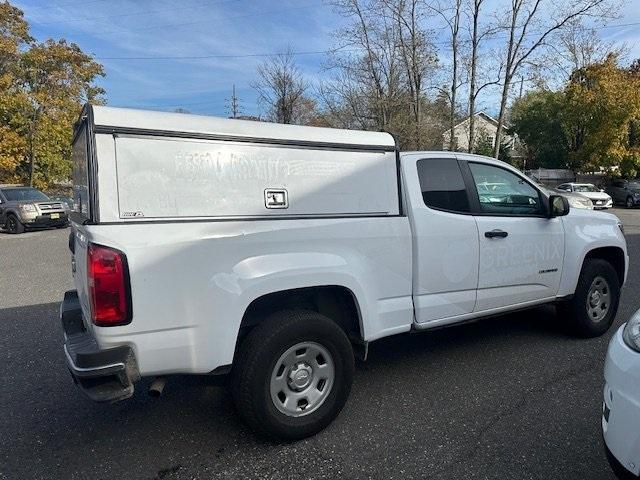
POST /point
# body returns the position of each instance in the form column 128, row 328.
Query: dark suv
column 26, row 207
column 624, row 191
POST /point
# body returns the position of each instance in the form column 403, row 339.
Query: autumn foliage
column 42, row 88
column 591, row 125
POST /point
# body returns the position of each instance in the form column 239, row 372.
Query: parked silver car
column 27, row 207
column 624, row 191
column 598, row 197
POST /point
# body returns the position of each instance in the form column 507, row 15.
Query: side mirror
column 558, row 206
column 602, row 189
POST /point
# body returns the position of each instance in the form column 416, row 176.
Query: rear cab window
column 80, row 161
column 442, row 185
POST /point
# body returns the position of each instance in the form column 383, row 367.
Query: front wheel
column 593, row 307
column 13, row 225
column 293, row 375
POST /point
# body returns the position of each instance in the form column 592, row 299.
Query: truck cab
column 486, row 239
column 274, row 254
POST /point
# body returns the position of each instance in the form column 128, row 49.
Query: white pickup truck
column 275, row 253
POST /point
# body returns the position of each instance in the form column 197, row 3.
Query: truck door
column 521, row 250
column 445, row 239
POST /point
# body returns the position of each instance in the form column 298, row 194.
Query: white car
column 275, row 253
column 621, row 408
column 598, row 197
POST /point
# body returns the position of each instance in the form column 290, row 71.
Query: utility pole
column 234, row 104
column 521, row 85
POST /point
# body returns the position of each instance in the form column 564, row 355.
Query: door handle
column 496, row 234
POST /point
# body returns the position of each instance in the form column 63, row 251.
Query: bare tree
column 577, row 47
column 281, row 87
column 233, row 104
column 417, row 54
column 451, row 13
column 477, row 34
column 367, row 82
column 547, row 18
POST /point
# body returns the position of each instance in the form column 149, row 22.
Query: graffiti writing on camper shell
column 232, row 166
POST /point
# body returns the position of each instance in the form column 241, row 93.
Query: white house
column 485, row 125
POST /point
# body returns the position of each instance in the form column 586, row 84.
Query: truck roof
column 166, row 122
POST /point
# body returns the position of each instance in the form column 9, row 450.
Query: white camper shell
column 171, row 166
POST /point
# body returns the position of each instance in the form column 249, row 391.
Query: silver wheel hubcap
column 598, row 299
column 302, row 379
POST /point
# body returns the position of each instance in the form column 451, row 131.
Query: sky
column 223, row 42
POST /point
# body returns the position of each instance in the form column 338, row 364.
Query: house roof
column 484, row 115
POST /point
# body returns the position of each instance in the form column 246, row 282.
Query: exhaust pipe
column 157, row 386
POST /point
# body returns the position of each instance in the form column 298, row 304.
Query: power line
column 315, row 52
column 199, row 22
column 72, row 4
column 122, row 15
column 242, row 55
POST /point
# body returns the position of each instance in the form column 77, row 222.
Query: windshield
column 585, row 188
column 634, row 186
column 26, row 194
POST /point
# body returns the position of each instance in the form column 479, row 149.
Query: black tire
column 576, row 311
column 629, row 202
column 256, row 362
column 13, row 225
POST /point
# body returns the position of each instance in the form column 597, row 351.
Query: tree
column 281, row 87
column 579, row 47
column 529, row 25
column 451, row 13
column 536, row 118
column 58, row 79
column 602, row 105
column 477, row 34
column 14, row 36
column 483, row 143
column 417, row 55
column 42, row 88
column 370, row 81
column 381, row 68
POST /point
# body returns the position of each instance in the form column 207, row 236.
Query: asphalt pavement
column 512, row 397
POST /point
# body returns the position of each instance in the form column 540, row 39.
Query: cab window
column 502, row 192
column 442, row 185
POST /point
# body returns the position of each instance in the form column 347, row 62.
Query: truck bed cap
column 127, row 119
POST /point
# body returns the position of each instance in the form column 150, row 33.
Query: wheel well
column 333, row 301
column 613, row 255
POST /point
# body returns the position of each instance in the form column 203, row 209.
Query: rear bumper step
column 104, row 375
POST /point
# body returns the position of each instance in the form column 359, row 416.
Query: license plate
column 599, row 202
column 55, row 215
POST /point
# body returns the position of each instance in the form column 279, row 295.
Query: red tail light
column 108, row 279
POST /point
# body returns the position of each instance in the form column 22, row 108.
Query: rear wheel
column 13, row 225
column 293, row 375
column 593, row 307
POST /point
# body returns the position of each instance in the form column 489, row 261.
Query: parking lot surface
column 511, row 397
